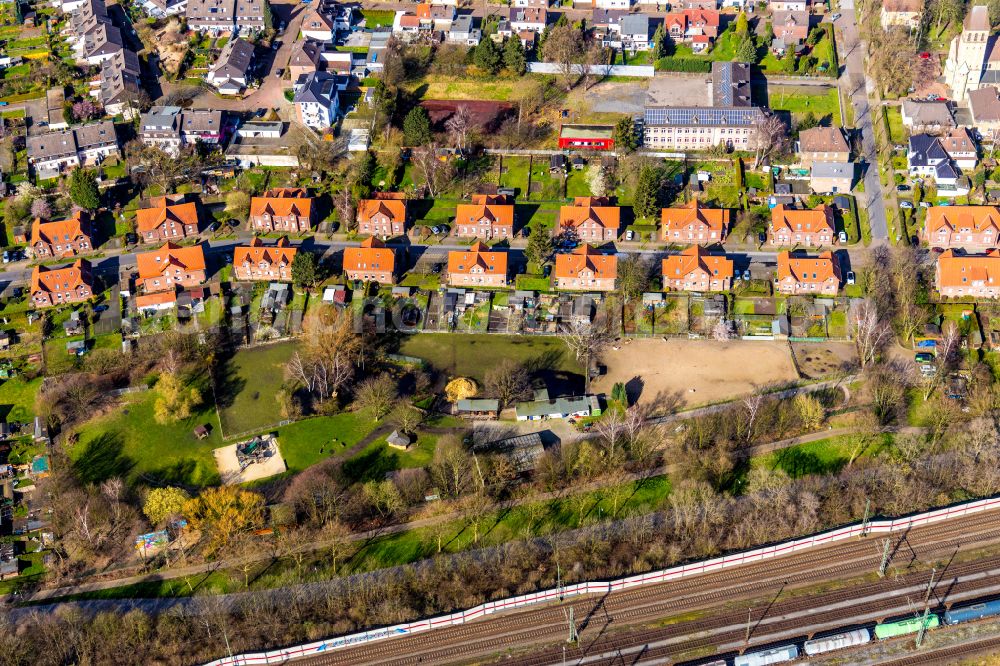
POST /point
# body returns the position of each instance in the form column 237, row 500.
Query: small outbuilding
column 399, row 440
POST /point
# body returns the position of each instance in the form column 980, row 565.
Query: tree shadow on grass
column 796, row 463
column 187, row 472
column 371, row 465
column 228, row 383
column 102, row 458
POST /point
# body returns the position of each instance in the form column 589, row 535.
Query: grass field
column 436, row 86
column 250, row 381
column 473, row 355
column 894, row 118
column 17, row 399
column 128, row 442
column 824, row 103
column 824, row 456
column 308, row 442
column 375, row 18
column 378, row 458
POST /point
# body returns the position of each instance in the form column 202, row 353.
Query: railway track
column 597, row 616
column 946, row 655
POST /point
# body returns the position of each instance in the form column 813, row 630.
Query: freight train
column 854, row 637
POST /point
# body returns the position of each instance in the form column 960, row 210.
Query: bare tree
column 458, row 126
column 751, row 410
column 947, row 357
column 770, row 137
column 376, row 395
column 331, row 352
column 587, row 341
column 870, row 332
column 507, row 381
column 435, row 172
column 564, row 47
column 724, row 330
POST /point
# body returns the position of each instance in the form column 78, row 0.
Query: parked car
column 925, row 204
column 905, row 204
column 842, row 236
column 835, row 17
column 923, row 357
column 902, row 188
column 100, row 308
column 850, row 277
column 746, row 275
column 435, row 230
column 278, row 72
column 629, row 235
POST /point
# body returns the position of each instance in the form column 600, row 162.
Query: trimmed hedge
column 672, row 64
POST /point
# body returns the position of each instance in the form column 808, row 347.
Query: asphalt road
column 424, row 254
column 854, row 83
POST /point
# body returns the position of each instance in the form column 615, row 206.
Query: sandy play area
column 229, row 466
column 694, row 372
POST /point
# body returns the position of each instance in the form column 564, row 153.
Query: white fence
column 641, row 71
column 598, row 587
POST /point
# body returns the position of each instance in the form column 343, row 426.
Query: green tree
column 514, row 58
column 539, row 246
column 742, row 28
column 174, row 401
column 305, row 272
column 223, row 513
column 238, row 205
column 487, row 56
column 83, row 189
column 162, row 503
column 746, row 50
column 788, row 61
column 384, row 98
column 624, row 135
column 646, row 202
column 808, row 121
column 417, row 127
column 659, row 42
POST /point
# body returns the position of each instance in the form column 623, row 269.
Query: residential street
column 271, row 93
column 20, row 274
column 854, row 82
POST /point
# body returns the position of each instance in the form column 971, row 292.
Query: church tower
column 967, row 55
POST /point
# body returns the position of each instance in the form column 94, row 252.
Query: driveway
column 855, row 83
column 271, row 93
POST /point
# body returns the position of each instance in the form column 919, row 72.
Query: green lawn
column 824, row 456
column 533, row 283
column 17, row 398
column 309, row 441
column 514, row 173
column 378, row 458
column 250, row 382
column 824, row 103
column 473, row 355
column 375, row 18
column 894, row 117
column 128, row 442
